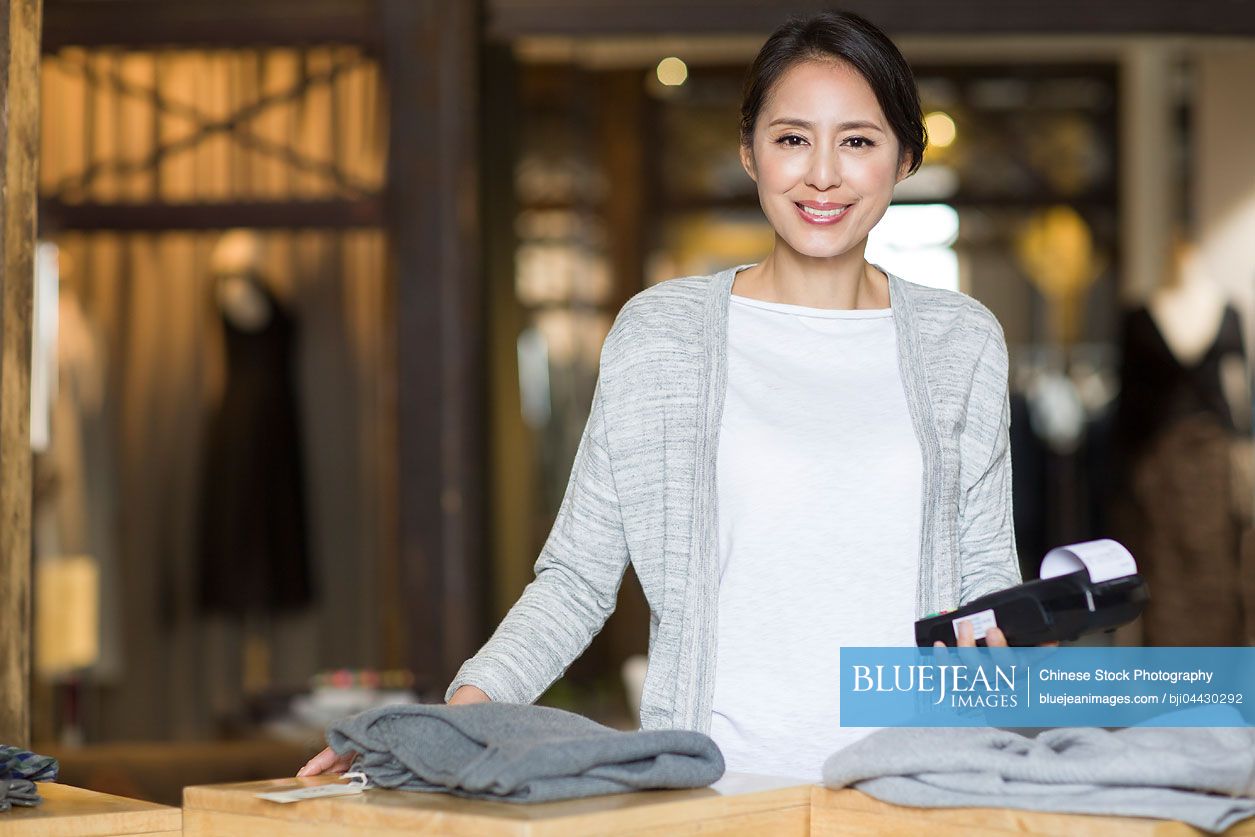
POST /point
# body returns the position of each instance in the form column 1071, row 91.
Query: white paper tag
column 981, row 621
column 357, row 783
column 1104, row 559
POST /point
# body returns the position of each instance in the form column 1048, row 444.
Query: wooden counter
column 851, row 812
column 73, row 812
column 747, row 806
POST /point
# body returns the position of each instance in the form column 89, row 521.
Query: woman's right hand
column 328, row 761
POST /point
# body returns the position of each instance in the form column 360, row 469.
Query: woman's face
column 824, row 158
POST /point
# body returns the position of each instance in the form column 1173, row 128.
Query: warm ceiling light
column 672, row 71
column 941, row 130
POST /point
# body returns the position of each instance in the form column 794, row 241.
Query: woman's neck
column 846, row 281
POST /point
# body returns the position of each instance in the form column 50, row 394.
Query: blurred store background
column 322, row 287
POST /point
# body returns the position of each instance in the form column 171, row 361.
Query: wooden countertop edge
column 824, row 800
column 390, row 809
column 69, row 810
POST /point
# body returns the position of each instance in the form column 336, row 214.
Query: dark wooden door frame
column 513, row 18
column 148, row 24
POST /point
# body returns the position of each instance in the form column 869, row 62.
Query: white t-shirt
column 819, row 478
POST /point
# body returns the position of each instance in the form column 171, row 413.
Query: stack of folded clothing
column 1204, row 776
column 19, row 771
column 519, row 753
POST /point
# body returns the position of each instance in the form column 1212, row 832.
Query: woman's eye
column 862, row 142
column 790, row 140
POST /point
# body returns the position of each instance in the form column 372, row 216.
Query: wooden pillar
column 432, row 53
column 512, row 501
column 19, row 149
column 621, row 118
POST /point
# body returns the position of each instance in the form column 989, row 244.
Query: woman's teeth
column 823, row 213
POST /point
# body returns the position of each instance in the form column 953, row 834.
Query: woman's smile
column 822, row 214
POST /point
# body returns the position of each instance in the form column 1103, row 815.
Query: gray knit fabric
column 1200, row 775
column 643, row 490
column 517, row 753
column 22, row 792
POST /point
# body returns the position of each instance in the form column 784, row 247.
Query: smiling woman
column 795, row 456
column 830, row 123
column 826, row 180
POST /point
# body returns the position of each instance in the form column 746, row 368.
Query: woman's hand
column 993, row 638
column 328, row 761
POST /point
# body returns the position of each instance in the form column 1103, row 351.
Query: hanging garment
column 1157, row 389
column 75, row 508
column 1200, row 775
column 253, row 544
column 519, row 752
column 1180, row 504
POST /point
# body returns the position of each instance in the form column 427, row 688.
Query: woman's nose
column 825, row 170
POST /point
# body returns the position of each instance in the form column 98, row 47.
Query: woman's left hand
column 993, row 638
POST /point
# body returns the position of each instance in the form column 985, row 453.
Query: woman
column 795, row 455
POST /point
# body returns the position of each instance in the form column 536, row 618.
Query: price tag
column 357, row 783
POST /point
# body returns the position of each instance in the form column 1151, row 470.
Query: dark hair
column 846, row 37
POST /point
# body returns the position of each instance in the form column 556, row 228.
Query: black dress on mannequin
column 1177, row 503
column 1158, row 390
column 254, row 557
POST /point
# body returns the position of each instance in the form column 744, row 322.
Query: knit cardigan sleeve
column 987, row 553
column 575, row 589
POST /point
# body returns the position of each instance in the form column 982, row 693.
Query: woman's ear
column 747, row 162
column 904, row 168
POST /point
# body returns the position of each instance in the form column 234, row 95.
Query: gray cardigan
column 643, row 490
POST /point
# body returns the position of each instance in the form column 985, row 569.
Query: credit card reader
column 1084, row 588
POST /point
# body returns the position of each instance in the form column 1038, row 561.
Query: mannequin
column 241, row 296
column 1182, row 428
column 244, row 302
column 253, row 544
column 1189, row 309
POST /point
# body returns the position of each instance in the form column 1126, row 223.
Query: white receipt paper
column 1104, row 559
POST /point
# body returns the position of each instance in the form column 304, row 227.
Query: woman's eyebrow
column 810, row 126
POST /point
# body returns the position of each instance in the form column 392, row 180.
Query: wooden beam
column 431, row 56
column 513, row 18
column 19, row 149
column 145, row 24
column 159, row 217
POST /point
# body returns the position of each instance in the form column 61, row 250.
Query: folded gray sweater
column 519, row 752
column 18, row 792
column 1204, row 776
